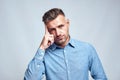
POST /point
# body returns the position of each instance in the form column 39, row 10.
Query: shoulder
column 82, row 44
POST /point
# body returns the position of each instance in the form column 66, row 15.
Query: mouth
column 59, row 38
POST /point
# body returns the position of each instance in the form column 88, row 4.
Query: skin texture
column 56, row 31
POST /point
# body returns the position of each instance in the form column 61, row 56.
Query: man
column 60, row 57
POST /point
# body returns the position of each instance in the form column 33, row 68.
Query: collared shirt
column 73, row 62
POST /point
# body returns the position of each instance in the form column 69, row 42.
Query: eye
column 51, row 30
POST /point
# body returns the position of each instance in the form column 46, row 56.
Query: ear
column 68, row 22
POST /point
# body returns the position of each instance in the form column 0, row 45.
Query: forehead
column 60, row 19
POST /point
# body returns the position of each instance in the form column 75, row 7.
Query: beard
column 61, row 40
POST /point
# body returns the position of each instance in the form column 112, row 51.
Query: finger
column 46, row 30
column 51, row 35
column 50, row 40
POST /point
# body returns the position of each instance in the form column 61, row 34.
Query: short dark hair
column 52, row 14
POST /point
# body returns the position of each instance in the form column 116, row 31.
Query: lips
column 58, row 38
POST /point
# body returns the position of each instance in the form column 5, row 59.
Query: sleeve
column 95, row 65
column 36, row 70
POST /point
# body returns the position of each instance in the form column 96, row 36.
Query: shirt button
column 38, row 65
column 64, row 51
column 42, row 53
column 67, row 61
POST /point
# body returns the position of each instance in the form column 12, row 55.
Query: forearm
column 35, row 68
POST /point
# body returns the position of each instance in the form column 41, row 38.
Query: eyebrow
column 56, row 26
column 60, row 25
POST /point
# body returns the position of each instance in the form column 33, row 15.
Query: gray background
column 21, row 31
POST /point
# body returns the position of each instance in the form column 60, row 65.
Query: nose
column 57, row 32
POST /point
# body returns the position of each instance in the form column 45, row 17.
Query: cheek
column 66, row 31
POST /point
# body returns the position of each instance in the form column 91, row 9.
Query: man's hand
column 48, row 40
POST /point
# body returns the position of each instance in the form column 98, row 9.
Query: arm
column 95, row 66
column 36, row 69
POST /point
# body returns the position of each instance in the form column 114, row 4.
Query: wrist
column 42, row 48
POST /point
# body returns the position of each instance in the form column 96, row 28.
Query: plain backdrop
column 22, row 29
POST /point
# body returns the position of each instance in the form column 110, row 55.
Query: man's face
column 59, row 27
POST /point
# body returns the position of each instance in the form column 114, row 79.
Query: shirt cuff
column 39, row 54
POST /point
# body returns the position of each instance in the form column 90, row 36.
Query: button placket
column 66, row 63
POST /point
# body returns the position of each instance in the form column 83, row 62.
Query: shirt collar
column 70, row 43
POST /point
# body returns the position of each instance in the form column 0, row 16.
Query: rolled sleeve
column 36, row 70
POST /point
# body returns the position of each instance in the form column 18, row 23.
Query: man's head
column 52, row 14
column 58, row 25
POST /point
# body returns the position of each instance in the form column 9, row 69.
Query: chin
column 60, row 42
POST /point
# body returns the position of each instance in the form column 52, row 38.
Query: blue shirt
column 73, row 62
